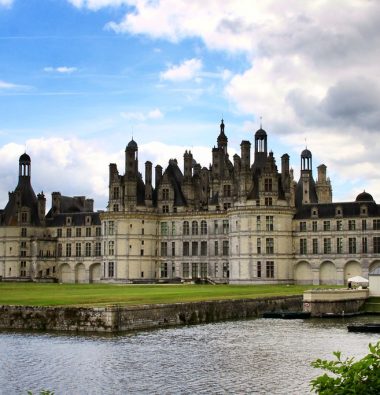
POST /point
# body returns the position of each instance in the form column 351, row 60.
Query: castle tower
column 131, row 171
column 306, row 191
column 261, row 148
column 222, row 139
column 187, row 165
column 131, row 160
column 323, row 186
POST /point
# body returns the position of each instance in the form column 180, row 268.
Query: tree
column 349, row 376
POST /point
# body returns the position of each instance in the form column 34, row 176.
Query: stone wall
column 122, row 318
column 334, row 302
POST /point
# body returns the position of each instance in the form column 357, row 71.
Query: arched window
column 186, row 230
column 194, row 228
column 203, row 227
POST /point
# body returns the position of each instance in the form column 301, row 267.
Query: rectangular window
column 116, row 192
column 315, row 246
column 78, row 249
column 98, row 231
column 185, row 248
column 352, row 245
column 315, row 226
column 216, row 248
column 185, row 270
column 88, row 249
column 203, row 227
column 111, row 269
column 327, row 246
column 98, row 249
column 203, row 269
column 173, row 248
column 364, row 224
column 59, row 249
column 68, row 249
column 68, row 232
column 376, row 224
column 216, row 229
column 351, row 224
column 269, row 242
column 225, row 248
column 164, row 248
column 59, row 232
column 164, row 229
column 78, row 232
column 326, row 226
column 258, row 222
column 258, row 244
column 376, row 245
column 111, row 228
column 165, row 208
column 268, row 201
column 225, row 226
column 194, row 248
column 339, row 245
column 227, row 190
column 111, row 247
column 269, row 223
column 173, row 229
column 258, row 269
column 203, row 248
column 194, row 270
column 302, row 226
column 165, row 194
column 270, row 269
column 268, row 185
column 88, row 232
column 303, row 246
column 23, row 232
column 164, row 270
column 339, row 225
column 364, row 245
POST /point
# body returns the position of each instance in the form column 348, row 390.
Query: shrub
column 349, row 376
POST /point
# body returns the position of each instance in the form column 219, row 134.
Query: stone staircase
column 372, row 305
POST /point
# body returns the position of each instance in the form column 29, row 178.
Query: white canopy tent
column 358, row 280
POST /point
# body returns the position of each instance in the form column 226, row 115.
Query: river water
column 260, row 356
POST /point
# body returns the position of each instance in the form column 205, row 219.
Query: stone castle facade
column 242, row 221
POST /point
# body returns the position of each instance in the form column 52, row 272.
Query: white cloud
column 97, row 4
column 311, row 68
column 60, row 69
column 142, row 116
column 187, row 70
column 6, row 3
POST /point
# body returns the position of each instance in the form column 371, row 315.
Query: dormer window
column 314, row 212
column 338, row 211
column 68, row 221
column 363, row 210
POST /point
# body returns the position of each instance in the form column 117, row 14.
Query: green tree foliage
column 349, row 376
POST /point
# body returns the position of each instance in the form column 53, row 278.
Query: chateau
column 242, row 221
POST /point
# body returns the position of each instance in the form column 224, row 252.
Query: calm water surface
column 262, row 356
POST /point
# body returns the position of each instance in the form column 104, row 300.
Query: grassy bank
column 31, row 294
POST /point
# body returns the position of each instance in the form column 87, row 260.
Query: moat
column 253, row 356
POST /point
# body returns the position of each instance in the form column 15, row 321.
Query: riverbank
column 117, row 318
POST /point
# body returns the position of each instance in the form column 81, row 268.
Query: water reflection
column 255, row 356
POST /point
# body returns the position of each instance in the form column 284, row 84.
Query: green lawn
column 31, row 294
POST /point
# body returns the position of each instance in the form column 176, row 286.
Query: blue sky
column 78, row 78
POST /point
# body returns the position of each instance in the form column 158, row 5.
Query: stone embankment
column 128, row 318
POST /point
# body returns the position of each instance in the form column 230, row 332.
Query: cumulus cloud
column 311, row 68
column 187, row 70
column 142, row 116
column 60, row 69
